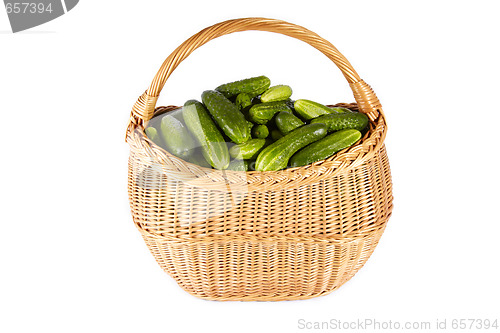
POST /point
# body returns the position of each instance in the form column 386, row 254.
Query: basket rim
column 245, row 181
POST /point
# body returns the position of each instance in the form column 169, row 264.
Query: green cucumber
column 250, row 126
column 242, row 165
column 340, row 109
column 262, row 113
column 176, row 136
column 252, row 86
column 247, row 150
column 243, row 101
column 260, row 131
column 153, row 135
column 308, row 109
column 227, row 116
column 199, row 158
column 239, row 165
column 276, row 134
column 203, row 128
column 277, row 93
column 340, row 121
column 156, row 120
column 276, row 155
column 287, row 122
column 325, row 148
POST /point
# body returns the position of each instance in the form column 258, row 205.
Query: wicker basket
column 282, row 235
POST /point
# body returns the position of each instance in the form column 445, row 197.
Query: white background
column 71, row 259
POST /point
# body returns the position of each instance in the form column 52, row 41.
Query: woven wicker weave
column 278, row 235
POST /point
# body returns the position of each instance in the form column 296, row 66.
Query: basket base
column 261, row 271
column 264, row 298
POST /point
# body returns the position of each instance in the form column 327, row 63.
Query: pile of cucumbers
column 251, row 125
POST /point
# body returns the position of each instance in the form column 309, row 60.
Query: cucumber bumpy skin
column 262, row 113
column 340, row 121
column 227, row 116
column 251, row 86
column 276, row 93
column 153, row 135
column 276, row 155
column 308, row 109
column 176, row 137
column 243, row 101
column 260, row 131
column 203, row 128
column 325, row 147
column 287, row 122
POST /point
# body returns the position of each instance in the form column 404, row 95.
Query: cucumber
column 153, row 135
column 252, row 86
column 287, row 122
column 156, row 120
column 199, row 158
column 276, row 134
column 340, row 121
column 276, row 155
column 176, row 136
column 247, row 150
column 277, row 93
column 262, row 113
column 239, row 165
column 260, row 131
column 326, row 147
column 308, row 109
column 250, row 126
column 340, row 109
column 227, row 116
column 243, row 101
column 242, row 165
column 203, row 128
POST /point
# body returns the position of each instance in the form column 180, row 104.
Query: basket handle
column 143, row 109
